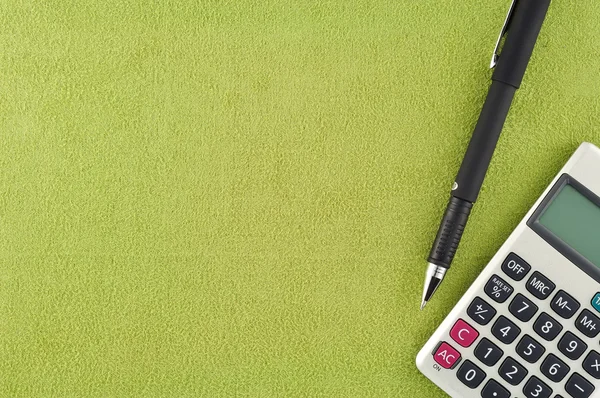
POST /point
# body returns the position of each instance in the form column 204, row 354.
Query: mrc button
column 588, row 323
column 540, row 286
column 515, row 267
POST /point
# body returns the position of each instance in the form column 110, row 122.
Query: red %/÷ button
column 446, row 356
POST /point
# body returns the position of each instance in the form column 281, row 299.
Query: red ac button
column 446, row 356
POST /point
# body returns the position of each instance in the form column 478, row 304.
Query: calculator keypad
column 522, row 308
column 542, row 366
column 488, row 353
column 515, row 267
column 588, row 323
column 498, row 289
column 480, row 311
column 463, row 333
column 578, row 387
column 554, row 369
column 512, row 371
column 446, row 356
column 596, row 302
column 505, row 330
column 540, row 286
column 535, row 388
column 470, row 374
column 494, row 390
column 547, row 327
column 529, row 349
column 564, row 305
column 571, row 346
column 591, row 364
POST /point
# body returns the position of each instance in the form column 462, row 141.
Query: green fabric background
column 235, row 198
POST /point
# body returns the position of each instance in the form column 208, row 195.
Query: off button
column 515, row 267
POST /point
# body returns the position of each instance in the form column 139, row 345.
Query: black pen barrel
column 483, row 142
column 523, row 31
column 520, row 33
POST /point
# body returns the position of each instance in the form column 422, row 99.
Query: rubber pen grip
column 450, row 231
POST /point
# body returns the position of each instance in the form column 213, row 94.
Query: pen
column 520, row 31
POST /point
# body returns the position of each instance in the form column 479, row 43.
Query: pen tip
column 423, row 304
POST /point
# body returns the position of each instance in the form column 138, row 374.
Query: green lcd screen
column 575, row 220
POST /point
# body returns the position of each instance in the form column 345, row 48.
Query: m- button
column 540, row 286
column 564, row 305
column 515, row 267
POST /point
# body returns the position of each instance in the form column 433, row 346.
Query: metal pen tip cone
column 433, row 278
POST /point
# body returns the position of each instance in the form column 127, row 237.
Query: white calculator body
column 529, row 325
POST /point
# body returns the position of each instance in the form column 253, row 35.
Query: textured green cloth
column 235, row 198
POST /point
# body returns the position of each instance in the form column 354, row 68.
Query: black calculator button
column 512, row 371
column 578, row 387
column 564, row 305
column 540, row 286
column 535, row 388
column 488, row 353
column 588, row 323
column 493, row 389
column 480, row 311
column 515, row 267
column 470, row 375
column 591, row 364
column 498, row 289
column 571, row 346
column 504, row 330
column 554, row 369
column 529, row 349
column 522, row 308
column 547, row 327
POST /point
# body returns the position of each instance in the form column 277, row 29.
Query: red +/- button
column 446, row 356
column 463, row 333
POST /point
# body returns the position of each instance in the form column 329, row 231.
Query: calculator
column 528, row 326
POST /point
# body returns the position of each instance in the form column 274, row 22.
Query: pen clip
column 495, row 55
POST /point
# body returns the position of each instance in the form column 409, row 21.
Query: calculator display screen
column 574, row 219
